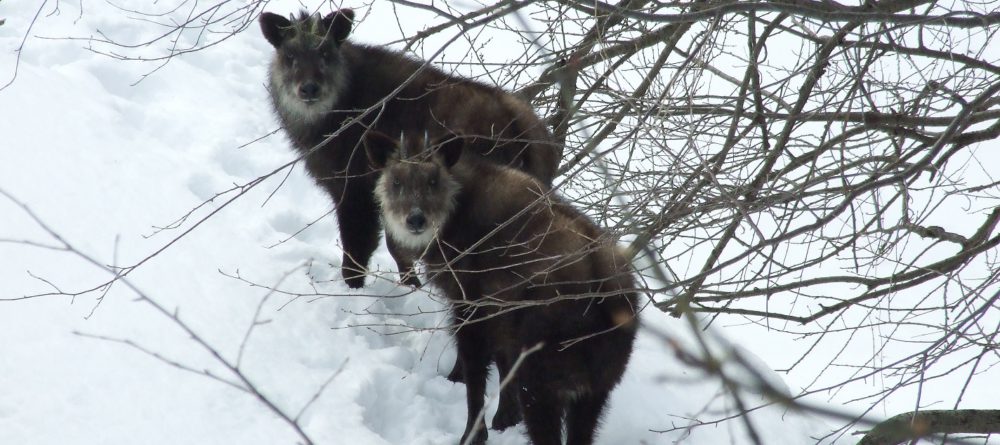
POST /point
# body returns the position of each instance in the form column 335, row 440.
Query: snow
column 105, row 163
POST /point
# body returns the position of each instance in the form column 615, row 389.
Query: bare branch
column 908, row 427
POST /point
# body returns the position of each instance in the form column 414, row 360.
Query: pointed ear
column 339, row 24
column 450, row 150
column 380, row 148
column 275, row 28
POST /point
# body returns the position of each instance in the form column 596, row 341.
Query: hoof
column 479, row 439
column 410, row 280
column 355, row 279
column 456, row 373
column 508, row 415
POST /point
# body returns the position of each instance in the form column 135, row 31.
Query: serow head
column 308, row 64
column 415, row 189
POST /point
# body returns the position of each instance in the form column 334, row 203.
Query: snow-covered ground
column 104, row 163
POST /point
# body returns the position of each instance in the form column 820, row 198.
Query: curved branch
column 915, row 425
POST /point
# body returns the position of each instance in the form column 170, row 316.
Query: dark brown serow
column 323, row 84
column 520, row 267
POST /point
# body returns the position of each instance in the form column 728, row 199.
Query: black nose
column 309, row 90
column 416, row 221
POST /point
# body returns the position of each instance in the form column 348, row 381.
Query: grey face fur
column 417, row 196
column 307, row 74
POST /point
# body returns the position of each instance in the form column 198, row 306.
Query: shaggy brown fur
column 323, row 85
column 521, row 267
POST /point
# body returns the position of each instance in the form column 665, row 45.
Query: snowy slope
column 104, row 163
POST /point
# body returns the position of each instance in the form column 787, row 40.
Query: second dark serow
column 520, row 268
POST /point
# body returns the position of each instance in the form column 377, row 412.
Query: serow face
column 417, row 193
column 305, row 67
column 308, row 67
column 417, row 199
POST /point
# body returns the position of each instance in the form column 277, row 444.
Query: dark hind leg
column 509, row 410
column 542, row 412
column 582, row 416
column 473, row 352
column 404, row 263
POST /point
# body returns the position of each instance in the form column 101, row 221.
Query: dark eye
column 395, row 183
column 432, row 182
